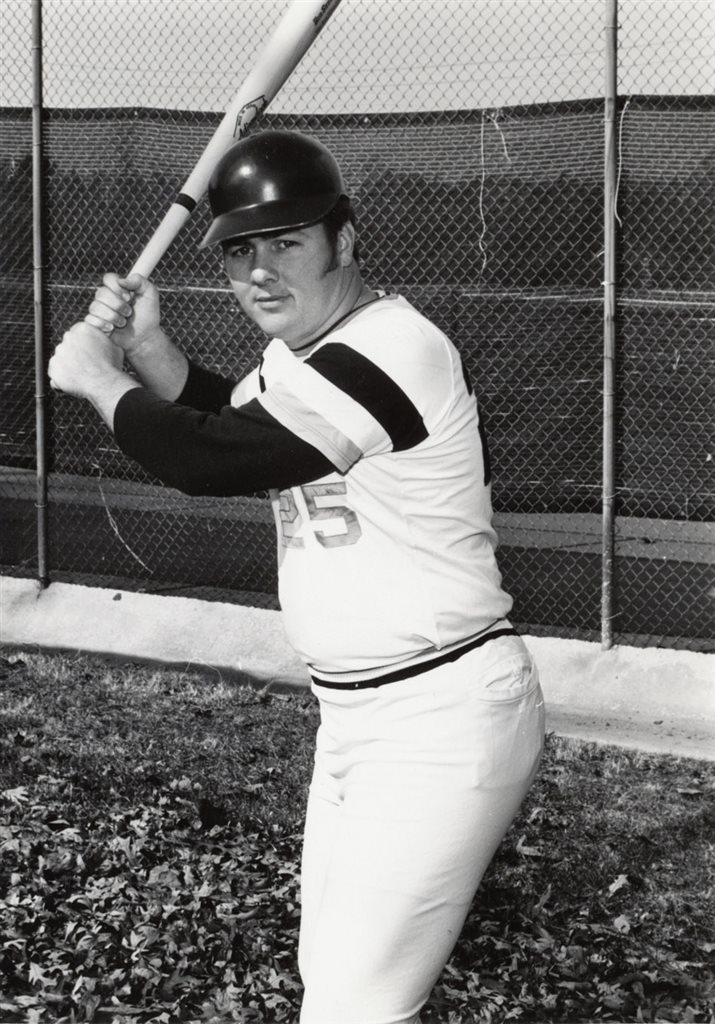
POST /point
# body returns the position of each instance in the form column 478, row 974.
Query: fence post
column 610, row 181
column 38, row 290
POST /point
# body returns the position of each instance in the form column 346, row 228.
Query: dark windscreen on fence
column 490, row 222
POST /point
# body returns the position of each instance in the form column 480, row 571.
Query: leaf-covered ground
column 150, row 827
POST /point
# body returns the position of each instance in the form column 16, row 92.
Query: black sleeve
column 206, row 390
column 237, row 451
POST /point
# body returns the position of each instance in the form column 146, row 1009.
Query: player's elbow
column 190, row 480
column 194, row 487
column 198, row 483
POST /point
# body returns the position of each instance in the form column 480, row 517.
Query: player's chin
column 272, row 319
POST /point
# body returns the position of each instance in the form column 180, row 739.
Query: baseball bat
column 291, row 39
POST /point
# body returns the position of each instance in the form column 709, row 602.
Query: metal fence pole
column 610, row 180
column 38, row 288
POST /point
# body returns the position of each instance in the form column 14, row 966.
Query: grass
column 149, row 851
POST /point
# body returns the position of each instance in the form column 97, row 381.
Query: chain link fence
column 471, row 134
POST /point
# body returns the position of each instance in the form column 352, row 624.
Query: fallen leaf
column 619, row 883
column 527, row 851
column 17, row 796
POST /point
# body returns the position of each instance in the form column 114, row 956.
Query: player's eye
column 283, row 244
column 237, row 252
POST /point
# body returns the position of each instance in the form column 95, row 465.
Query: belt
column 415, row 670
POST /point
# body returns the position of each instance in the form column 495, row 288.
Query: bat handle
column 145, row 264
column 174, row 220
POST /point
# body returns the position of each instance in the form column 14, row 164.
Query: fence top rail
column 636, row 101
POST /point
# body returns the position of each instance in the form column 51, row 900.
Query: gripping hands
column 127, row 308
column 122, row 322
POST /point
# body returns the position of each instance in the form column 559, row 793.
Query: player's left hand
column 84, row 361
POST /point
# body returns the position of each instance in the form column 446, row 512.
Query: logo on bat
column 248, row 114
column 324, row 13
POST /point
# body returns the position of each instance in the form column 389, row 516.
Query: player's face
column 291, row 284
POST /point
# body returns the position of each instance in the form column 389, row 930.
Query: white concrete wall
column 648, row 698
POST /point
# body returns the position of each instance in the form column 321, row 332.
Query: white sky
column 374, row 55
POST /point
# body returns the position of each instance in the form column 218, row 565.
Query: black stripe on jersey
column 467, row 379
column 482, row 429
column 374, row 390
column 485, row 447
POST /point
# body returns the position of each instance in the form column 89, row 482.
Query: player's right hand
column 127, row 309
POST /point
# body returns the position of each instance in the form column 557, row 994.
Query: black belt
column 415, row 670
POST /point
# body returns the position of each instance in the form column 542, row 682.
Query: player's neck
column 355, row 294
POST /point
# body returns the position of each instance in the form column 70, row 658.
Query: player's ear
column 345, row 244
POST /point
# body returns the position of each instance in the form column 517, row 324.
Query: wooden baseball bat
column 292, row 38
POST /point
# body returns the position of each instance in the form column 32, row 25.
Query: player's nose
column 262, row 266
column 261, row 274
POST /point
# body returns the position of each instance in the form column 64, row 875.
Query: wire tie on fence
column 482, row 247
column 620, row 162
column 494, row 118
column 495, row 121
column 114, row 526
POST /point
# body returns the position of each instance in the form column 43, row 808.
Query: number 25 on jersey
column 320, row 505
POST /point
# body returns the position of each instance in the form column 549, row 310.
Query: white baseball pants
column 415, row 784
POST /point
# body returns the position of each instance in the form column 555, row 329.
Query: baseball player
column 362, row 423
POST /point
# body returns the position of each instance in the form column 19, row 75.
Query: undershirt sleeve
column 206, row 390
column 232, row 452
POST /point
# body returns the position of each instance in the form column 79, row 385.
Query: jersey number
column 319, row 501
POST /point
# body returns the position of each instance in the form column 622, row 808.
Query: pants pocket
column 504, row 670
column 510, row 704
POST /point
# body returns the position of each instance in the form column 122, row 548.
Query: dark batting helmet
column 271, row 181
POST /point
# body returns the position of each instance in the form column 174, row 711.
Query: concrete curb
column 645, row 698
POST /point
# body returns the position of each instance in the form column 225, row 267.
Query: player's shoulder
column 396, row 309
column 390, row 340
column 392, row 329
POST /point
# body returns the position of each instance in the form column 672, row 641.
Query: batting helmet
column 271, row 181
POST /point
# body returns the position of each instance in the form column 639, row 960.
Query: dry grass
column 129, row 789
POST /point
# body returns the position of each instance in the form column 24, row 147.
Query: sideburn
column 333, row 264
column 333, row 240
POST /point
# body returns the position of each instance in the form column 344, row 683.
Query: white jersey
column 390, row 560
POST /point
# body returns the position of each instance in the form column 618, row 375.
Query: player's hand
column 127, row 310
column 84, row 362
